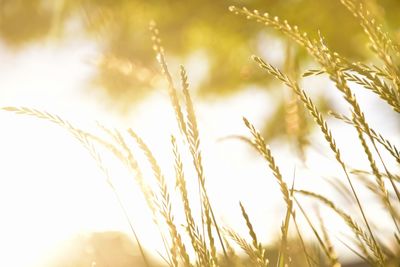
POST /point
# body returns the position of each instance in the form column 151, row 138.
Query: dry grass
column 206, row 238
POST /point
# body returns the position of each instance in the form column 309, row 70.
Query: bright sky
column 51, row 189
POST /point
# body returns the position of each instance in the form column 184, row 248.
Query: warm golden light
column 112, row 153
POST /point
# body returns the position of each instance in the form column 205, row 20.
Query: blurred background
column 92, row 60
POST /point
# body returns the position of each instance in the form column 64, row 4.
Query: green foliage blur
column 128, row 70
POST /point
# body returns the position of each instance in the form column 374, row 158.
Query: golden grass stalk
column 234, row 259
column 384, row 194
column 363, row 172
column 267, row 155
column 358, row 118
column 337, row 76
column 257, row 247
column 310, row 260
column 380, row 41
column 149, row 195
column 371, row 81
column 361, row 235
column 283, row 26
column 174, row 99
column 189, row 129
column 360, row 122
column 372, row 78
column 309, row 105
column 328, row 242
column 331, row 63
column 85, row 138
column 313, row 110
column 197, row 240
column 391, row 148
column 246, row 247
column 133, row 166
column 283, row 250
column 333, row 261
column 193, row 139
column 165, row 207
column 249, row 226
column 171, row 87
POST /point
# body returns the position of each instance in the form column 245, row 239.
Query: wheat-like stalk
column 197, row 240
column 381, row 43
column 309, row 105
column 189, row 129
column 292, row 32
column 363, row 172
column 171, row 87
column 267, row 155
column 150, row 196
column 246, row 247
column 257, row 247
column 313, row 110
column 372, row 78
column 376, row 85
column 165, row 207
column 333, row 261
column 85, row 138
column 383, row 81
column 235, row 260
column 193, row 139
column 337, row 76
column 328, row 241
column 391, row 148
column 310, row 260
column 331, row 62
column 360, row 233
column 384, row 194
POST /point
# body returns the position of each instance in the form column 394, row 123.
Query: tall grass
column 212, row 243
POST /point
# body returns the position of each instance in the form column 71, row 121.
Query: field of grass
column 202, row 240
